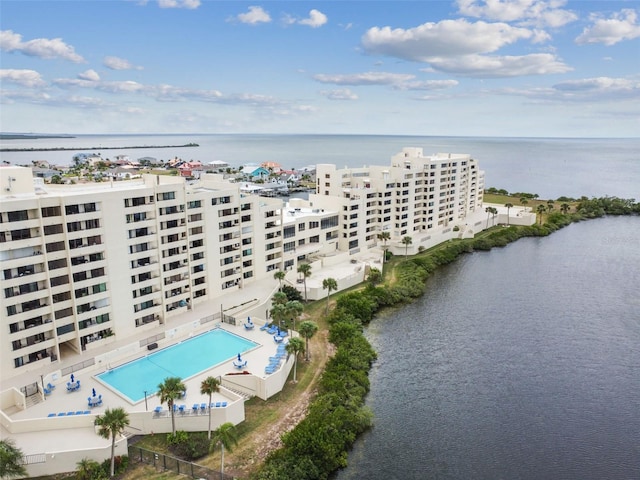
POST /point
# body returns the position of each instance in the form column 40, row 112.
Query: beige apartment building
column 423, row 197
column 86, row 265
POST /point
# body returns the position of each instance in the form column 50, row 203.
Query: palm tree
column 384, row 236
column 541, row 209
column 494, row 212
column 509, row 206
column 279, row 275
column 11, row 460
column 406, row 241
column 226, row 436
column 488, row 210
column 305, row 270
column 209, row 386
column 293, row 309
column 329, row 284
column 564, row 208
column 307, row 330
column 550, row 205
column 294, row 347
column 278, row 313
column 169, row 391
column 279, row 298
column 112, row 424
column 524, row 201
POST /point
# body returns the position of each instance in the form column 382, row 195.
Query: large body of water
column 546, row 166
column 522, row 363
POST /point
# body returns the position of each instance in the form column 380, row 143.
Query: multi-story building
column 415, row 196
column 84, row 265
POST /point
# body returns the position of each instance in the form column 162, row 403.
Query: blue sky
column 462, row 67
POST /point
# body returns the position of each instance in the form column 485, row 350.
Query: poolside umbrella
column 93, row 391
column 72, row 378
column 239, row 358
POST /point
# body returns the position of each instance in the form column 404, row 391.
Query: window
column 329, row 222
column 194, row 204
column 167, row 196
column 18, row 215
column 50, row 212
column 52, row 229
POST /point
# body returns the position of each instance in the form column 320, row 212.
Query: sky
column 510, row 68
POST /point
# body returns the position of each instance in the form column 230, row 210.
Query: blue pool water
column 183, row 360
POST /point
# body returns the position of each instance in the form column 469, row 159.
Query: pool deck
column 57, row 444
column 60, row 400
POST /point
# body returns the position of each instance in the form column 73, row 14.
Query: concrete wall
column 53, row 461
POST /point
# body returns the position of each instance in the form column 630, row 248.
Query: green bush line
column 319, row 444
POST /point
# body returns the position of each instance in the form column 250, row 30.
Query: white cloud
column 484, row 66
column 427, row 85
column 445, row 38
column 621, row 26
column 25, row 78
column 590, row 90
column 117, row 63
column 89, row 75
column 74, row 83
column 366, row 78
column 316, row 19
column 340, row 94
column 44, row 48
column 601, row 85
column 526, row 12
column 189, row 4
column 254, row 16
column 460, row 47
column 127, row 86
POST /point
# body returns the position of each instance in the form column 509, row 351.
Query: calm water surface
column 550, row 167
column 519, row 363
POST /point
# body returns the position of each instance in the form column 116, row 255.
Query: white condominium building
column 84, row 265
column 415, row 196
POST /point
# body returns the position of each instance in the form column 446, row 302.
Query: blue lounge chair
column 87, row 412
column 181, row 408
column 70, row 413
column 217, row 404
column 61, row 414
column 79, row 412
column 278, row 339
column 157, row 410
column 46, row 391
column 224, row 404
column 195, row 408
column 266, row 326
column 203, row 407
column 273, row 330
column 50, row 386
column 51, row 415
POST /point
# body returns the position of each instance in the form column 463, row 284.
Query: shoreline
column 59, row 149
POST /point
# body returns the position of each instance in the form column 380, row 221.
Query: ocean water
column 549, row 167
column 522, row 363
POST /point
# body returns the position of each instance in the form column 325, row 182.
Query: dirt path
column 282, row 413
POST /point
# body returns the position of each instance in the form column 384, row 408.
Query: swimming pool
column 183, row 360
